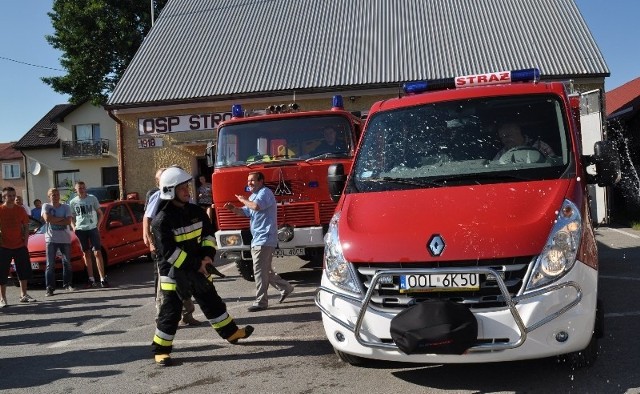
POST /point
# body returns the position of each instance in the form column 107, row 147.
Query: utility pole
column 152, row 14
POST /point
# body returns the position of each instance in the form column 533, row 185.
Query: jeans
column 50, row 273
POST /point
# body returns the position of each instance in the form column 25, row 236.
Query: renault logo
column 435, row 245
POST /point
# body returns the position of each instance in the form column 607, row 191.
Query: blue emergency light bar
column 236, row 111
column 525, row 75
column 337, row 103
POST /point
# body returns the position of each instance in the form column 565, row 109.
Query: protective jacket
column 183, row 236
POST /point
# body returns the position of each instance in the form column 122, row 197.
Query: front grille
column 296, row 214
column 388, row 295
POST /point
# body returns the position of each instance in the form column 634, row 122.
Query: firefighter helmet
column 170, row 178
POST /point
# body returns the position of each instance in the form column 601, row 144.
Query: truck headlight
column 230, row 240
column 338, row 270
column 559, row 254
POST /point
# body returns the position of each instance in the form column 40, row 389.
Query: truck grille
column 296, row 214
column 388, row 295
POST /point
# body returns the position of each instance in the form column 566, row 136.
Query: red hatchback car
column 120, row 235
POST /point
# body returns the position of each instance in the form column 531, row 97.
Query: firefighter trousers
column 171, row 311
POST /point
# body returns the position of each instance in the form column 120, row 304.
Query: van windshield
column 300, row 138
column 472, row 141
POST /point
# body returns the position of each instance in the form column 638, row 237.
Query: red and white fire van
column 467, row 191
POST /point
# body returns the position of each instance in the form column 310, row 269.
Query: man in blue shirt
column 261, row 209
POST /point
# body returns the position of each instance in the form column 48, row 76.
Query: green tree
column 98, row 39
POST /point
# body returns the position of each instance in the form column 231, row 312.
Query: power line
column 29, row 64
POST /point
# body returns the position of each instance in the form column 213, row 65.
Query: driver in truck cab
column 512, row 136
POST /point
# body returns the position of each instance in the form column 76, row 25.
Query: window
column 66, row 179
column 83, row 132
column 10, row 170
column 110, row 176
column 120, row 213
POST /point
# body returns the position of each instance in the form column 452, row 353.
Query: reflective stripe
column 177, row 257
column 164, row 335
column 161, row 342
column 186, row 233
column 209, row 241
column 221, row 320
column 168, row 286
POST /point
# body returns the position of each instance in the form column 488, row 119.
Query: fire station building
column 203, row 56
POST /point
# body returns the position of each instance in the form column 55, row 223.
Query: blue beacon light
column 337, row 103
column 236, row 111
column 524, row 75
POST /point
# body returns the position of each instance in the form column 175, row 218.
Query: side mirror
column 208, row 153
column 605, row 158
column 336, row 179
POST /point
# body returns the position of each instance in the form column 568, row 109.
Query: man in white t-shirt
column 86, row 216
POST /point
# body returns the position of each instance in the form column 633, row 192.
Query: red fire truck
column 293, row 149
column 463, row 234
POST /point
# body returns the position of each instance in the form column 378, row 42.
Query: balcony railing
column 85, row 148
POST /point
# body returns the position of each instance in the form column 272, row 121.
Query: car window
column 138, row 210
column 120, row 213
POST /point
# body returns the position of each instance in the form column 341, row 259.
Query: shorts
column 21, row 259
column 89, row 239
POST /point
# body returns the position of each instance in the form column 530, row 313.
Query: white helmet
column 170, row 178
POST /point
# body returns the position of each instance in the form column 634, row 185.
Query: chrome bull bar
column 510, row 301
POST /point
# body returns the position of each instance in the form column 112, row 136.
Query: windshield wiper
column 477, row 177
column 326, row 155
column 410, row 181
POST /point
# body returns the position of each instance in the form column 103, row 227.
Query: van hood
column 473, row 222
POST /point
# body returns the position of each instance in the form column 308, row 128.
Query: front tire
column 587, row 357
column 245, row 267
column 350, row 358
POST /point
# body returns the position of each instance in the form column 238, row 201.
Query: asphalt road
column 98, row 341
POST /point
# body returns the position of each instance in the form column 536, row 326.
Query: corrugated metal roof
column 202, row 49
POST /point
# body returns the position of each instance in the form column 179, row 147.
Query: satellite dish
column 35, row 168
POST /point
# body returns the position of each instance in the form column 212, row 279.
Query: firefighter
column 185, row 247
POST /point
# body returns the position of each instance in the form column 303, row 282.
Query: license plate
column 289, row 252
column 438, row 282
column 35, row 266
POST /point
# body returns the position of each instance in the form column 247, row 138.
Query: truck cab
column 469, row 191
column 293, row 149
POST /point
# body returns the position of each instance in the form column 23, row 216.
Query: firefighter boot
column 164, row 360
column 241, row 333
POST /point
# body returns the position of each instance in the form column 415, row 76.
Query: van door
column 592, row 131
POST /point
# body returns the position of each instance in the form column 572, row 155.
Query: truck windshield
column 473, row 141
column 299, row 138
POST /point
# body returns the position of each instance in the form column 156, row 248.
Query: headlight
column 338, row 270
column 559, row 254
column 230, row 240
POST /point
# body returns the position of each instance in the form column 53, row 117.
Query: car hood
column 474, row 222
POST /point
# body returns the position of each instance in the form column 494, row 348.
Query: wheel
column 522, row 154
column 587, row 356
column 245, row 268
column 350, row 358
